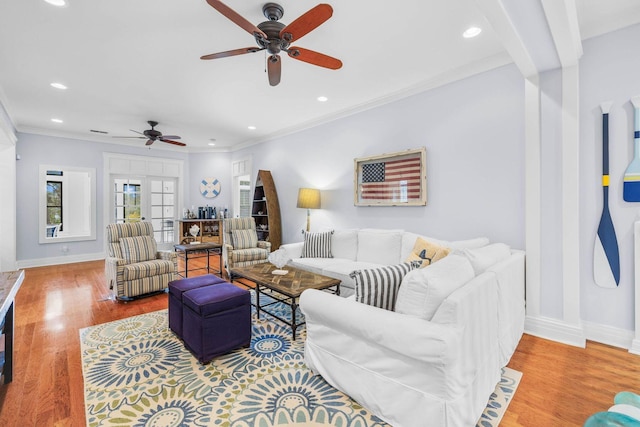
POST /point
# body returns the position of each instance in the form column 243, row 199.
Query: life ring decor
column 210, row 187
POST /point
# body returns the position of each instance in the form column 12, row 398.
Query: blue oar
column 606, row 259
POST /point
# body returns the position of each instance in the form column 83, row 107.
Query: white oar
column 606, row 259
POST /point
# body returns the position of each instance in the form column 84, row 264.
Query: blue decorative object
column 210, row 187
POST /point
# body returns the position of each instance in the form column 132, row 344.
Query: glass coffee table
column 285, row 288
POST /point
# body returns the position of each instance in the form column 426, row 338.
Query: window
column 127, row 200
column 54, row 204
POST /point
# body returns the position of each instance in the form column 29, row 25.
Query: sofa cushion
column 484, row 257
column 138, row 248
column 344, row 244
column 478, row 242
column 317, row 245
column 427, row 252
column 423, row 290
column 379, row 246
column 244, row 239
column 379, row 287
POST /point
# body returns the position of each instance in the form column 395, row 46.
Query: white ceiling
column 126, row 62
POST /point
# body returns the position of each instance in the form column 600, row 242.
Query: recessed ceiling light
column 59, row 3
column 212, row 144
column 471, row 32
column 323, row 99
column 58, row 86
column 56, row 120
column 251, row 127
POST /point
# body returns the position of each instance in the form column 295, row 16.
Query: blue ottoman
column 215, row 320
column 176, row 289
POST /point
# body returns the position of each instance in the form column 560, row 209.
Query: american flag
column 395, row 181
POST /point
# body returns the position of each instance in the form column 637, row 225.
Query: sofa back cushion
column 379, row 286
column 423, row 290
column 344, row 244
column 379, row 246
column 138, row 248
column 486, row 256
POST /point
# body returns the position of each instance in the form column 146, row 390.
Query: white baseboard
column 555, row 330
column 66, row 259
column 609, row 335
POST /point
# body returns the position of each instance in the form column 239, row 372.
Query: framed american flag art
column 395, row 179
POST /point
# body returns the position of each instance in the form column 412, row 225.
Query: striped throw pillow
column 138, row 248
column 317, row 245
column 379, row 286
column 244, row 239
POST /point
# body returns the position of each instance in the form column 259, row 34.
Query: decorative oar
column 631, row 186
column 606, row 259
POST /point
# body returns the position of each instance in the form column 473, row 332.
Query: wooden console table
column 10, row 282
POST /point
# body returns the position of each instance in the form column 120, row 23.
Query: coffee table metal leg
column 294, row 325
column 258, row 301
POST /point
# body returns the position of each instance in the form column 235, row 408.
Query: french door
column 150, row 199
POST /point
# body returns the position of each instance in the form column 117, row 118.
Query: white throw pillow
column 423, row 290
column 344, row 244
column 379, row 246
column 484, row 257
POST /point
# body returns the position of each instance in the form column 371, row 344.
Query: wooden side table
column 199, row 250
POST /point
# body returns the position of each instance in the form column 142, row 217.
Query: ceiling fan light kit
column 276, row 37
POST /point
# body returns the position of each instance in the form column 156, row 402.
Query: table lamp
column 308, row 198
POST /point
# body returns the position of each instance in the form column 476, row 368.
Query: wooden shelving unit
column 266, row 210
column 210, row 231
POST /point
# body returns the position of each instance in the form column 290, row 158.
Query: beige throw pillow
column 427, row 252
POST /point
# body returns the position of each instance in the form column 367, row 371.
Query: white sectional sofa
column 437, row 358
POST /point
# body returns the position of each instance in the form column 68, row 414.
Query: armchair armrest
column 166, row 255
column 264, row 245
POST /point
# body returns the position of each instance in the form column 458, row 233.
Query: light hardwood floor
column 561, row 385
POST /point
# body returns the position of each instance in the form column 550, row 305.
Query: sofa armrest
column 294, row 250
column 264, row 245
column 405, row 335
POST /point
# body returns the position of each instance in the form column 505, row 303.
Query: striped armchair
column 241, row 245
column 134, row 266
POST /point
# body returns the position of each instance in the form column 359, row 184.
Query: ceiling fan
column 275, row 37
column 153, row 135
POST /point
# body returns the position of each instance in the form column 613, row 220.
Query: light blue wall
column 608, row 72
column 35, row 150
column 473, row 131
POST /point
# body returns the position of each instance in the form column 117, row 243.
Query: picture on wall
column 394, row 179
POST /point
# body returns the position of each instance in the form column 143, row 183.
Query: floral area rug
column 138, row 373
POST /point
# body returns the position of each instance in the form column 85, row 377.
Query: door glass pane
column 162, row 209
column 127, row 193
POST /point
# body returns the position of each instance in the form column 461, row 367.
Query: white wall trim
column 533, row 194
column 635, row 347
column 555, row 330
column 562, row 18
column 608, row 335
column 570, row 195
column 67, row 259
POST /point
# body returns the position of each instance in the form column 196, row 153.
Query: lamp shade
column 308, row 198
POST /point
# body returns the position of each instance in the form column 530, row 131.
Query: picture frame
column 392, row 179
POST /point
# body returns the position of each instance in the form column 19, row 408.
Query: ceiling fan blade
column 231, row 53
column 149, row 142
column 236, row 18
column 307, row 22
column 163, row 139
column 274, row 66
column 169, row 137
column 136, row 137
column 315, row 58
column 137, row 133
